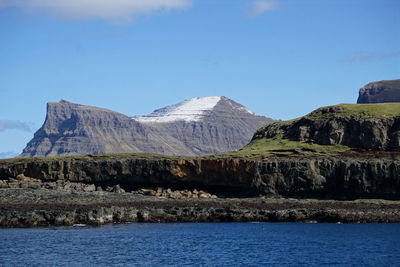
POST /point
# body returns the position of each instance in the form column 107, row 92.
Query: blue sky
column 281, row 58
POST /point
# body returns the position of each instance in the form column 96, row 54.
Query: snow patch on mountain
column 193, row 109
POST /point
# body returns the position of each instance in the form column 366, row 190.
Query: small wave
column 79, row 225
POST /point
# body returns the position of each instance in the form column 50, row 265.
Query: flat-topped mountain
column 195, row 126
column 380, row 92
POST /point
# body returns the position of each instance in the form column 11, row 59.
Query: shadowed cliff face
column 345, row 177
column 380, row 92
column 76, row 129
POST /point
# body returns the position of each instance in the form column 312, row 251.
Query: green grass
column 94, row 156
column 382, row 110
column 284, row 147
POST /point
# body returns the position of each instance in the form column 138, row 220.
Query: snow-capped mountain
column 194, row 109
column 196, row 126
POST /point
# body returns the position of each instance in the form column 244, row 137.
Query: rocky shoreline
column 118, row 189
column 75, row 203
column 362, row 175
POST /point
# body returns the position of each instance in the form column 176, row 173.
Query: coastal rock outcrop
column 355, row 126
column 194, row 127
column 344, row 177
column 97, row 208
column 380, row 92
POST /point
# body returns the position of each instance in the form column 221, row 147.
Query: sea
column 203, row 244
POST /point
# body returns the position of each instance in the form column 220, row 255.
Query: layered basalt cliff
column 326, row 177
column 380, row 92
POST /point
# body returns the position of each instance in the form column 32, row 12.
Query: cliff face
column 77, row 129
column 344, row 177
column 73, row 128
column 380, row 92
column 349, row 125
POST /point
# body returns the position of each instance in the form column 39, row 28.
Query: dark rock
column 90, row 188
column 118, row 189
column 351, row 176
column 380, row 92
column 27, row 208
column 3, row 184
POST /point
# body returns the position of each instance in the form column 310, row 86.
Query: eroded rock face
column 77, row 129
column 377, row 134
column 380, row 92
column 344, row 177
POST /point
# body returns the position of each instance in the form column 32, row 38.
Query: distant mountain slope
column 193, row 127
column 380, row 92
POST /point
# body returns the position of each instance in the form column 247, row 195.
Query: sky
column 280, row 58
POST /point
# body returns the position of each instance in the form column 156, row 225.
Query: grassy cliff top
column 278, row 146
column 381, row 110
column 358, row 110
column 139, row 156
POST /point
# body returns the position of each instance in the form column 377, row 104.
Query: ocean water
column 203, row 244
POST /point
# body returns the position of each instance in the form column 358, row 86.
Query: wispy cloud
column 110, row 10
column 8, row 154
column 16, row 125
column 370, row 56
column 260, row 7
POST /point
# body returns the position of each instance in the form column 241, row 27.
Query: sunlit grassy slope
column 358, row 110
column 283, row 147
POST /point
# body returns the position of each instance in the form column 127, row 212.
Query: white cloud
column 261, row 6
column 16, row 125
column 111, row 10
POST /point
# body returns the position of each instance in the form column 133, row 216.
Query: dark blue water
column 218, row 244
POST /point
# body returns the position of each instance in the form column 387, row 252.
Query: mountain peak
column 193, row 109
column 196, row 126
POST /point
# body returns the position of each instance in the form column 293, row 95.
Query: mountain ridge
column 71, row 128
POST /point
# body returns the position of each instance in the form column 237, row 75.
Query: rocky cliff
column 194, row 127
column 343, row 152
column 348, row 176
column 339, row 151
column 380, row 92
column 365, row 127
